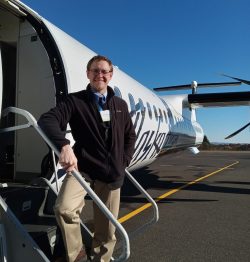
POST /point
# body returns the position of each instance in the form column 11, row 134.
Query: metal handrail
column 149, row 198
column 32, row 122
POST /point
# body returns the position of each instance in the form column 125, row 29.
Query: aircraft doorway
column 36, row 94
column 7, row 96
column 27, row 83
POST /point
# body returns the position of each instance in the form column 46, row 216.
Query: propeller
column 239, row 81
column 238, row 131
column 195, row 84
column 181, row 87
column 247, row 82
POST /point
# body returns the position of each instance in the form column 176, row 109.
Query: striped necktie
column 100, row 102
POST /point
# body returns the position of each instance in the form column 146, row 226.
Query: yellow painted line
column 171, row 192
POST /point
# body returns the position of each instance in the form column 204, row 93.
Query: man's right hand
column 67, row 158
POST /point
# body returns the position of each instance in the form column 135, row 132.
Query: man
column 104, row 145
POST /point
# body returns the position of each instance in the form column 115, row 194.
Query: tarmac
column 204, row 209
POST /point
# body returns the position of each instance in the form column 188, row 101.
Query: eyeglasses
column 100, row 71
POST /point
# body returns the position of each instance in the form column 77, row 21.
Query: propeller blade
column 181, row 87
column 238, row 131
column 247, row 82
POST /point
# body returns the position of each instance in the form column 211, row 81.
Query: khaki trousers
column 68, row 208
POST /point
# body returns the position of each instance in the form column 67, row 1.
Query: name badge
column 105, row 115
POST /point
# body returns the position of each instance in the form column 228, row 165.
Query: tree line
column 206, row 145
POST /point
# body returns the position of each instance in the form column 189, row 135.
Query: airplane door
column 36, row 94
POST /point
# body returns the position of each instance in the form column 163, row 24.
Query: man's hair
column 98, row 58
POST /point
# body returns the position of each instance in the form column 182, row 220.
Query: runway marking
column 171, row 192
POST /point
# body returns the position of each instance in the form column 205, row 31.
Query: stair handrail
column 33, row 123
column 148, row 197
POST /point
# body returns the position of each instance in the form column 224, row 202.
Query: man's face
column 99, row 75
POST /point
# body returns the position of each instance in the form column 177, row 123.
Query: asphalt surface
column 207, row 220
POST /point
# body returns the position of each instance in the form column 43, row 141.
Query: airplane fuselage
column 48, row 64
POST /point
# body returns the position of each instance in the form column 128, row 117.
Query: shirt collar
column 97, row 95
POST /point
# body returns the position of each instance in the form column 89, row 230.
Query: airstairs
column 28, row 229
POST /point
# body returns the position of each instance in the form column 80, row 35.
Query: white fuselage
column 51, row 64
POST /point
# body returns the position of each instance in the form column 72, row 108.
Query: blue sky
column 167, row 42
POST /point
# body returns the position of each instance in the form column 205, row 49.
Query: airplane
column 39, row 65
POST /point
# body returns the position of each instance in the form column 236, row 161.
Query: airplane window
column 156, row 114
column 149, row 110
column 117, row 92
column 132, row 104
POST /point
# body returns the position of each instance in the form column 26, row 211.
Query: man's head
column 99, row 73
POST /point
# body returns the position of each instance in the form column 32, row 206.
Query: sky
column 167, row 42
